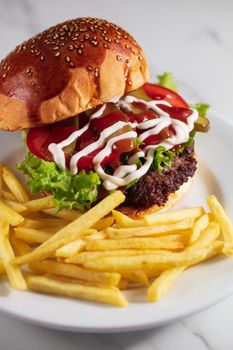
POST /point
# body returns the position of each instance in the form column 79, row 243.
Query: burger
column 92, row 122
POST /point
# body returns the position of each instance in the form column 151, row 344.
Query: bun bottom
column 172, row 200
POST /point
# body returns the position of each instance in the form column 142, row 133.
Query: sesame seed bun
column 173, row 199
column 67, row 69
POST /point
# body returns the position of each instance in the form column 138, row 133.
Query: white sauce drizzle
column 125, row 174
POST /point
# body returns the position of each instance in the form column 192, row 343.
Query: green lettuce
column 167, row 80
column 202, row 108
column 68, row 191
column 162, row 158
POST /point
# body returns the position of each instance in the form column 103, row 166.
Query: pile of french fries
column 96, row 255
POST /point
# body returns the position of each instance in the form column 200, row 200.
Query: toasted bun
column 67, row 69
column 173, row 199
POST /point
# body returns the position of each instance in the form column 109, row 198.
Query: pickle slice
column 202, row 124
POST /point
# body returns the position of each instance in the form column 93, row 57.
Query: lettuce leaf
column 162, row 158
column 167, row 80
column 69, row 192
column 202, row 108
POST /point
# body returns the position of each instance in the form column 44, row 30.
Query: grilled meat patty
column 155, row 187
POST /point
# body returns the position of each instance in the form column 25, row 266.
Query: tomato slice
column 35, row 139
column 38, row 139
column 158, row 92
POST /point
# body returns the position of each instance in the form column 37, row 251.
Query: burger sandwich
column 93, row 123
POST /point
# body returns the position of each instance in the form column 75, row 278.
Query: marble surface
column 193, row 39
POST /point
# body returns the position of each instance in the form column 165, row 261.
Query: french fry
column 102, row 295
column 17, row 207
column 136, row 276
column 200, row 225
column 73, row 230
column 147, row 231
column 8, row 214
column 14, row 273
column 211, row 233
column 1, row 181
column 70, row 249
column 8, row 196
column 74, row 271
column 97, row 235
column 68, row 215
column 224, row 222
column 14, row 186
column 167, row 278
column 173, row 216
column 166, row 242
column 104, row 223
column 19, row 246
column 123, row 220
column 43, row 223
column 156, row 261
column 123, row 284
column 82, row 257
column 2, row 270
column 31, row 235
column 78, row 281
column 40, row 204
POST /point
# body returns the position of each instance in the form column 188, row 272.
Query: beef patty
column 155, row 186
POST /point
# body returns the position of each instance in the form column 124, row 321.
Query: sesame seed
column 117, row 41
column 56, row 48
column 72, row 64
column 90, row 68
column 68, row 59
column 42, row 58
column 140, row 58
column 79, row 51
column 57, row 54
column 94, row 43
column 96, row 74
column 4, row 75
column 129, row 82
column 71, row 47
column 119, row 58
column 106, row 46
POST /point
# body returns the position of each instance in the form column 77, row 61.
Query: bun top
column 67, row 69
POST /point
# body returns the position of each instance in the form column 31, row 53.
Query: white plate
column 197, row 288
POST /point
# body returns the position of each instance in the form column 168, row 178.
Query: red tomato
column 35, row 139
column 38, row 139
column 158, row 92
